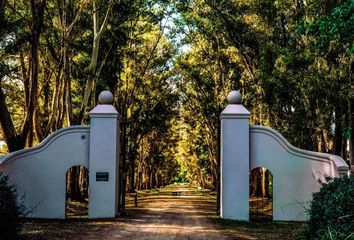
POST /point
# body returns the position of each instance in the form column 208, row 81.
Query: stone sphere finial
column 105, row 97
column 234, row 97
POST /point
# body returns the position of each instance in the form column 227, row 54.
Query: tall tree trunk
column 25, row 79
column 37, row 9
column 324, row 141
column 17, row 141
column 37, row 125
column 97, row 34
column 218, row 184
column 263, row 180
column 13, row 141
column 122, row 174
column 267, row 183
column 46, row 97
column 132, row 173
column 157, row 179
column 76, row 195
column 151, row 177
column 68, row 103
column 338, row 137
column 68, row 183
column 352, row 132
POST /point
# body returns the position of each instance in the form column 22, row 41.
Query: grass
column 262, row 230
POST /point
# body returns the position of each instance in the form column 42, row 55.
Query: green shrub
column 331, row 215
column 10, row 210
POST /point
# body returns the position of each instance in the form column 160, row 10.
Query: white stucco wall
column 295, row 172
column 39, row 173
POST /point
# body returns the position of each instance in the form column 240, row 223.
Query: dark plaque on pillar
column 102, row 176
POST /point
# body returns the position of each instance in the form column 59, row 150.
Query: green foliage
column 10, row 210
column 331, row 215
column 336, row 30
column 289, row 59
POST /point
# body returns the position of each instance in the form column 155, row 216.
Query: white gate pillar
column 234, row 167
column 104, row 159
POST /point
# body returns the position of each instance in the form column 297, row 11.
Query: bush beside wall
column 331, row 215
column 10, row 210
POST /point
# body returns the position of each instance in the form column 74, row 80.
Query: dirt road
column 176, row 212
column 165, row 216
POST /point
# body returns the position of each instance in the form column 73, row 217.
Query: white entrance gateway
column 296, row 172
column 39, row 173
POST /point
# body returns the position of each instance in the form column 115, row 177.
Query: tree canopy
column 170, row 65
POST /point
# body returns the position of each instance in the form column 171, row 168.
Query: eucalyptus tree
column 28, row 17
column 292, row 60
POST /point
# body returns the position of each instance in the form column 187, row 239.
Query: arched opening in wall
column 261, row 194
column 77, row 188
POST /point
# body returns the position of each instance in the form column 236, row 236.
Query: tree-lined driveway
column 175, row 212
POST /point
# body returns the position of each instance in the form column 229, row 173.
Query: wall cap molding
column 42, row 145
column 339, row 162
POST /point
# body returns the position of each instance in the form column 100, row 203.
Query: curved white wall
column 295, row 172
column 39, row 173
